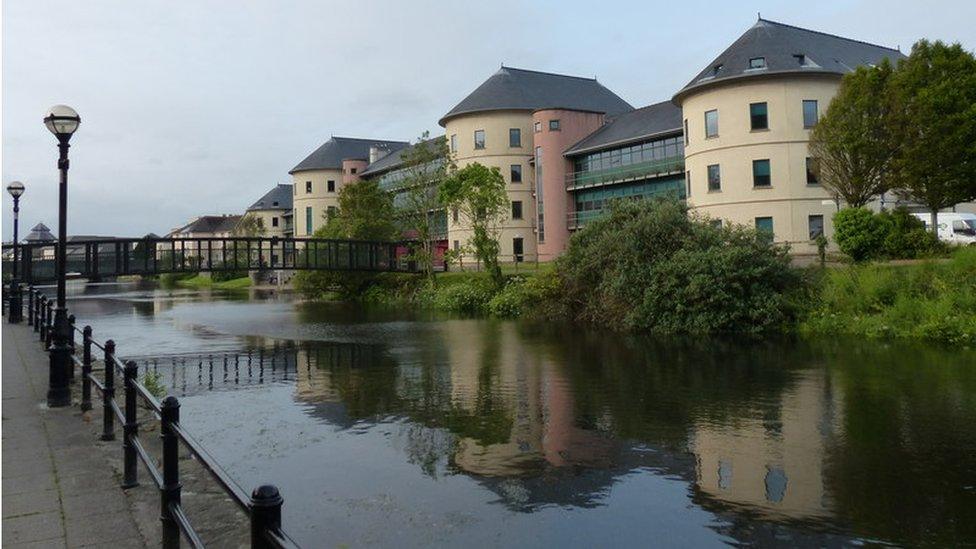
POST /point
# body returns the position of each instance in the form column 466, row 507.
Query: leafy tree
column 850, row 144
column 365, row 213
column 933, row 124
column 249, row 226
column 478, row 193
column 426, row 166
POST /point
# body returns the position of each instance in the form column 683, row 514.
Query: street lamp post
column 15, row 188
column 62, row 121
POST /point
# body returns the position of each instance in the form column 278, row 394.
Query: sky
column 193, row 108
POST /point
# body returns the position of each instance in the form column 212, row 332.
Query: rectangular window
column 540, row 213
column 453, row 142
column 308, row 220
column 308, row 187
column 812, row 171
column 765, row 226
column 554, row 125
column 516, row 209
column 810, row 114
column 331, row 186
column 457, row 245
column 688, row 183
column 759, row 116
column 714, row 178
column 815, row 224
column 514, row 137
column 479, row 139
column 274, row 221
column 686, row 131
column 717, row 223
column 760, row 173
column 757, row 63
column 516, row 173
column 711, row 123
column 352, row 170
column 454, row 215
column 518, row 249
column 538, row 127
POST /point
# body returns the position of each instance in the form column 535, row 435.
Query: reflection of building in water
column 773, row 461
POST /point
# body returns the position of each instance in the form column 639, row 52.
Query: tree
column 425, row 167
column 933, row 124
column 249, row 225
column 478, row 193
column 365, row 213
column 850, row 144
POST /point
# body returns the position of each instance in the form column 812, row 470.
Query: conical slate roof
column 787, row 49
column 520, row 89
column 331, row 154
column 40, row 233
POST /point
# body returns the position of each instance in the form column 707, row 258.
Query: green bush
column 224, row 276
column 907, row 237
column 860, row 233
column 472, row 296
column 649, row 266
column 933, row 301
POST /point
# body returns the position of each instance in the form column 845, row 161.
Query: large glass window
column 453, row 142
column 810, row 113
column 815, row 224
column 711, row 123
column 516, row 209
column 479, row 139
column 757, row 63
column 514, row 137
column 308, row 220
column 760, row 173
column 516, row 173
column 759, row 116
column 714, row 178
column 812, row 171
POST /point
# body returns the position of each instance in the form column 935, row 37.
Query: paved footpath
column 58, row 488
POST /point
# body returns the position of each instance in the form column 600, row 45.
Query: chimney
column 377, row 151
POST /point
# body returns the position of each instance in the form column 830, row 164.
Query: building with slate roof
column 747, row 119
column 274, row 209
column 319, row 177
column 39, row 234
column 732, row 143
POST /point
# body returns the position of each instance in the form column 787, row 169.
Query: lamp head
column 62, row 121
column 15, row 188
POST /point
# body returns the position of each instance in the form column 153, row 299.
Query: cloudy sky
column 199, row 107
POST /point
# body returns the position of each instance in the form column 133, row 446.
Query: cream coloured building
column 747, row 119
column 275, row 210
column 318, row 178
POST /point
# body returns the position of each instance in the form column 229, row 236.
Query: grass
column 200, row 282
column 931, row 300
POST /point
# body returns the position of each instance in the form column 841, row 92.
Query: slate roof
column 211, row 224
column 520, row 89
column 636, row 125
column 278, row 198
column 331, row 154
column 40, row 233
column 394, row 160
column 780, row 44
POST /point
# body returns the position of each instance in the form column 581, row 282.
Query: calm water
column 397, row 429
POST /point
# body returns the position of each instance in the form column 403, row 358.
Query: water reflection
column 496, row 433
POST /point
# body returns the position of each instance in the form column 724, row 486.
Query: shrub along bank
column 651, row 267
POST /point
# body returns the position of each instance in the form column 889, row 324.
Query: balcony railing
column 576, row 220
column 615, row 174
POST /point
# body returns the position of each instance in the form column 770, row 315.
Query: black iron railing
column 263, row 505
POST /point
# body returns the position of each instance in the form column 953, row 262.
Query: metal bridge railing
column 263, row 505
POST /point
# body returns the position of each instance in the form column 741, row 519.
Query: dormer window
column 800, row 59
column 757, row 63
column 716, row 69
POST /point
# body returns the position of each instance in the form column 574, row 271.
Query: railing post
column 49, row 317
column 42, row 310
column 108, row 415
column 30, row 305
column 266, row 504
column 169, row 492
column 130, row 474
column 86, row 367
column 71, row 343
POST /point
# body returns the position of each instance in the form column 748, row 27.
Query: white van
column 956, row 228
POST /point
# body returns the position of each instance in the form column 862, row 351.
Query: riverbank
column 201, row 282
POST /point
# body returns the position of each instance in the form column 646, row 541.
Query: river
column 403, row 429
